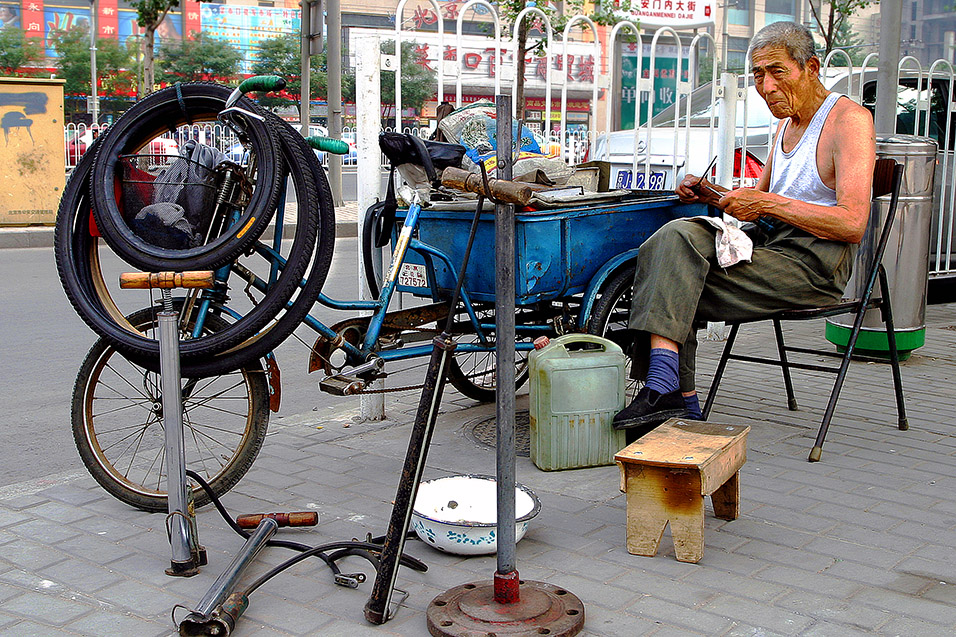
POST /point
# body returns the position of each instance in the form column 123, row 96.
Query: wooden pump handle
column 299, row 518
column 502, row 190
column 166, row 280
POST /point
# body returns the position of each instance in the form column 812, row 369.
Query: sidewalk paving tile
column 860, row 543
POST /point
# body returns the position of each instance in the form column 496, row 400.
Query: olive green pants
column 678, row 284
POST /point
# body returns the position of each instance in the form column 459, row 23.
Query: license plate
column 412, row 275
column 625, row 179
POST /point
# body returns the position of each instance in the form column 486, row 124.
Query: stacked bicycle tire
column 218, row 214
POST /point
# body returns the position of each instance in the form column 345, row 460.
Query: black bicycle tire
column 138, row 495
column 268, row 339
column 161, row 111
column 73, row 245
column 613, row 298
column 463, row 381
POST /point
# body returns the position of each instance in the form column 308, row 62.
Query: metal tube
column 173, row 425
column 305, row 67
column 225, row 583
column 334, row 61
column 368, row 120
column 96, row 106
column 887, row 73
column 505, row 351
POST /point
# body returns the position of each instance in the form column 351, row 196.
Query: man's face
column 780, row 81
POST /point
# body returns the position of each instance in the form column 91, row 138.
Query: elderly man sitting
column 810, row 209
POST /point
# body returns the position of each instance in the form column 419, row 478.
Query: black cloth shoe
column 649, row 409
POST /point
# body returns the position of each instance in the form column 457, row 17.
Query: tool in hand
column 704, row 174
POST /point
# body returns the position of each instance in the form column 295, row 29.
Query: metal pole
column 887, row 74
column 305, row 98
column 368, row 121
column 227, row 580
column 334, row 62
column 506, row 577
column 173, row 425
column 726, row 129
column 96, row 106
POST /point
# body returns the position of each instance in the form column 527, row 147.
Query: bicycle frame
column 356, row 355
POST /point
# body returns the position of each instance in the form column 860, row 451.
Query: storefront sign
column 678, row 14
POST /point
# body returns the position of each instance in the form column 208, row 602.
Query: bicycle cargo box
column 557, row 251
column 575, row 393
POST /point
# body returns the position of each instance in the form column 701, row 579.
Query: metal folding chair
column 887, row 178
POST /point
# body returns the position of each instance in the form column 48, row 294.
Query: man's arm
column 845, row 158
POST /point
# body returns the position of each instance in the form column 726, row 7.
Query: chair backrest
column 883, row 177
column 887, row 180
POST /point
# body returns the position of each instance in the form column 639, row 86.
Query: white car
column 618, row 147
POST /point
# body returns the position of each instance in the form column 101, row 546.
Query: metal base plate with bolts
column 470, row 610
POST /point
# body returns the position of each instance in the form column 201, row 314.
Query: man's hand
column 748, row 204
column 692, row 189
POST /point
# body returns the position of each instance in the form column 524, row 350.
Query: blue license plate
column 625, row 179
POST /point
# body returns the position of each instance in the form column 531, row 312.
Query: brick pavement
column 860, row 543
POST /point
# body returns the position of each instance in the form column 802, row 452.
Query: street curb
column 28, row 237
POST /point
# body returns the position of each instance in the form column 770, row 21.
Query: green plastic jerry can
column 575, row 393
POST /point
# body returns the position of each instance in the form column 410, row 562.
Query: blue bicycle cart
column 574, row 272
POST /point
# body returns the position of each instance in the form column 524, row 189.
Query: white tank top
column 794, row 174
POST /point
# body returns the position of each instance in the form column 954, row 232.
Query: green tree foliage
column 831, row 18
column 849, row 41
column 18, row 52
column 149, row 15
column 603, row 12
column 202, row 58
column 419, row 83
column 113, row 67
column 281, row 56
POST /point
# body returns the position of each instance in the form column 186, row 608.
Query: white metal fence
column 725, row 119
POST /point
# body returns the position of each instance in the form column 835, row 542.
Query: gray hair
column 793, row 37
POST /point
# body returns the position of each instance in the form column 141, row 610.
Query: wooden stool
column 666, row 475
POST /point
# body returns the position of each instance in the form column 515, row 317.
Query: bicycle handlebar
column 259, row 83
column 329, row 145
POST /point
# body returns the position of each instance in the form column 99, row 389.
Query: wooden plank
column 726, row 499
column 656, row 496
column 682, row 443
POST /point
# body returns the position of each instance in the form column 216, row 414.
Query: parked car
column 666, row 167
column 78, row 142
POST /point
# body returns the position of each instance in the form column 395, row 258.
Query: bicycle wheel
column 78, row 255
column 475, row 374
column 609, row 319
column 118, row 423
column 169, row 213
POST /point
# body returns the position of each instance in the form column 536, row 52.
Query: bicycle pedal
column 341, row 385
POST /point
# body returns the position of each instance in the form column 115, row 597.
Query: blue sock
column 662, row 371
column 693, row 407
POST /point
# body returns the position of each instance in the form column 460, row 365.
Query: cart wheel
column 474, row 373
column 118, row 423
column 609, row 319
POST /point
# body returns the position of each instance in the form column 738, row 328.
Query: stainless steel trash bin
column 907, row 254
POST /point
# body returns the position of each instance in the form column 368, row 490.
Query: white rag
column 733, row 245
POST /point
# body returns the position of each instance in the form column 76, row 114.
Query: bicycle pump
column 187, row 554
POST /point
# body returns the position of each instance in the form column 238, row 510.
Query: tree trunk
column 520, row 69
column 149, row 40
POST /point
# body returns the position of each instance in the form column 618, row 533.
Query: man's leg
column 671, row 269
